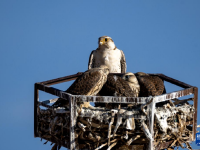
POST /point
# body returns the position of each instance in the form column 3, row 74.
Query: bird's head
column 106, row 42
column 132, row 82
column 130, row 77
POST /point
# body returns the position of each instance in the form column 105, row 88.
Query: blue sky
column 46, row 39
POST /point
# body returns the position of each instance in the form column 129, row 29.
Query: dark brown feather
column 81, row 86
column 115, row 87
column 150, row 85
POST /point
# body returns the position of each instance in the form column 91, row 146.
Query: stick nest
column 124, row 128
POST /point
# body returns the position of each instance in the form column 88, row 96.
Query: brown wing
column 147, row 87
column 91, row 60
column 115, row 86
column 150, row 86
column 85, row 83
column 81, row 86
column 159, row 84
column 109, row 87
column 123, row 62
column 126, row 89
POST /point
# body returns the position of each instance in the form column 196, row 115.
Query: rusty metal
column 52, row 91
column 136, row 100
column 72, row 77
column 36, row 92
column 62, row 79
column 173, row 81
column 195, row 114
column 44, row 86
column 72, row 123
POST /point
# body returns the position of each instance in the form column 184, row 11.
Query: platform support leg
column 195, row 113
column 151, row 124
column 72, row 122
column 36, row 98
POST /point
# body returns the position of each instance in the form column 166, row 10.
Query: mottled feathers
column 116, row 86
column 150, row 85
column 123, row 86
column 90, row 83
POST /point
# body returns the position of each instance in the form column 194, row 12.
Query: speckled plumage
column 150, row 85
column 108, row 54
column 90, row 83
column 118, row 86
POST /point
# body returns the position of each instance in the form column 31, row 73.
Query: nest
column 154, row 123
column 122, row 128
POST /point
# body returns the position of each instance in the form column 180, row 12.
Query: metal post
column 151, row 108
column 36, row 94
column 195, row 113
column 72, row 122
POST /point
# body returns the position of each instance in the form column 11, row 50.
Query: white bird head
column 106, row 42
column 130, row 77
column 132, row 81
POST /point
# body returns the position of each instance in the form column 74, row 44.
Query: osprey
column 90, row 83
column 150, row 85
column 125, row 86
column 108, row 54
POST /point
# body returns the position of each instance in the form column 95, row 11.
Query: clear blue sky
column 46, row 39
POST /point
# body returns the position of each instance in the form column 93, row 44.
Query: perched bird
column 90, row 83
column 125, row 86
column 150, row 85
column 108, row 54
column 132, row 81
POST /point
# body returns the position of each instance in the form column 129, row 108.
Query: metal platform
column 73, row 99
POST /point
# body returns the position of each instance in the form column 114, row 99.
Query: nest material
column 119, row 129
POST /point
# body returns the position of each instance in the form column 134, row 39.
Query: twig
column 111, row 146
column 132, row 139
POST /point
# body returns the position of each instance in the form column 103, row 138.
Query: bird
column 108, row 54
column 132, row 81
column 89, row 83
column 119, row 85
column 150, row 85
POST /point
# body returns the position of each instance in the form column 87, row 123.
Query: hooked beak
column 101, row 42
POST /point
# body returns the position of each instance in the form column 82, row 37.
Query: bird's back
column 84, row 83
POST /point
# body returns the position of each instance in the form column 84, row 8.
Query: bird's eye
column 106, row 39
column 127, row 77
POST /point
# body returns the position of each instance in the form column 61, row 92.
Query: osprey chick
column 108, row 54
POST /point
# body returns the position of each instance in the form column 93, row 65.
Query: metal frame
column 44, row 86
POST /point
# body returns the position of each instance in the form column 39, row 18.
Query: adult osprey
column 108, row 54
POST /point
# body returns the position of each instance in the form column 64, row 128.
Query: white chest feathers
column 110, row 58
